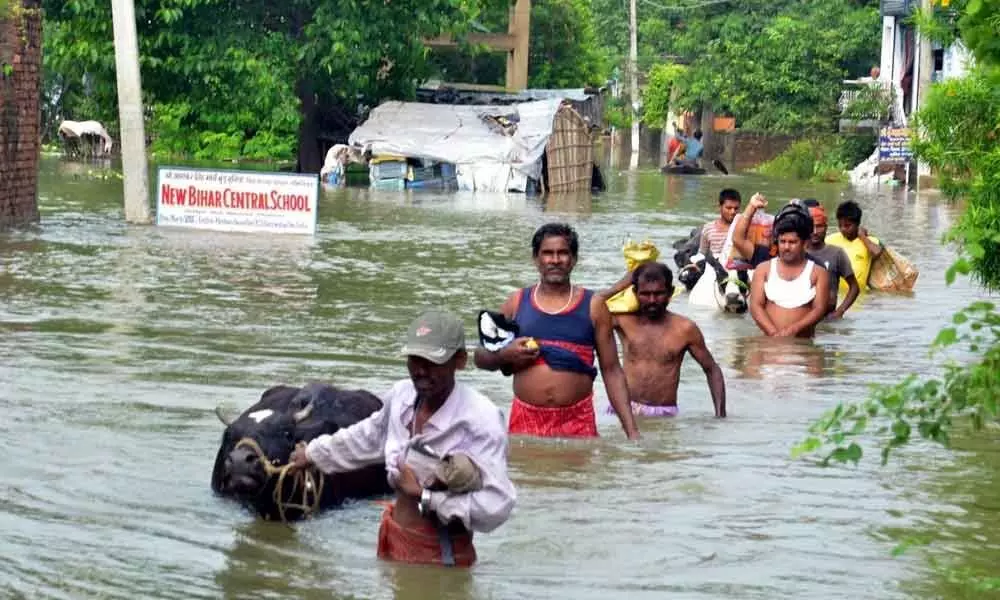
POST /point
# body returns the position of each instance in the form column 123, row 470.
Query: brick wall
column 741, row 150
column 20, row 87
column 738, row 150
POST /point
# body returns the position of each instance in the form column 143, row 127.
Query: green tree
column 564, row 48
column 233, row 77
column 660, row 84
column 959, row 135
column 776, row 66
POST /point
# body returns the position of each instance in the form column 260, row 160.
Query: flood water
column 117, row 342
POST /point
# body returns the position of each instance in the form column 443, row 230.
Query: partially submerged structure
column 85, row 138
column 534, row 146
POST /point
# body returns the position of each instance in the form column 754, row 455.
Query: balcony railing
column 872, row 101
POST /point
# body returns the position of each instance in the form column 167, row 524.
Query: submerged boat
column 693, row 170
column 682, row 170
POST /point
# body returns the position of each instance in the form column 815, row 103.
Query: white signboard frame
column 235, row 200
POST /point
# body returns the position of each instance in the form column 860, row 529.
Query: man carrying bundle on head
column 655, row 342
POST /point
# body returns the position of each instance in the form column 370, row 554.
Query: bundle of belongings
column 429, row 543
column 635, row 255
column 892, row 272
column 502, row 124
column 496, row 332
column 454, row 472
column 691, row 261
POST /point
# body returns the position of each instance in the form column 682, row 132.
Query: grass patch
column 820, row 158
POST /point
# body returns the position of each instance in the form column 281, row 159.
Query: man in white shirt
column 445, row 450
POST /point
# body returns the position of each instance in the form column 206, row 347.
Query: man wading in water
column 834, row 260
column 656, row 340
column 789, row 294
column 444, row 448
column 560, row 327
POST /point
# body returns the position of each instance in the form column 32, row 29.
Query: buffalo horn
column 303, row 414
column 225, row 421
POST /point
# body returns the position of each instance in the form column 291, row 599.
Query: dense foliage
column 228, row 78
column 775, row 66
column 958, row 127
column 256, row 79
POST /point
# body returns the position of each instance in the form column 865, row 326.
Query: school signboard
column 237, row 200
column 894, row 145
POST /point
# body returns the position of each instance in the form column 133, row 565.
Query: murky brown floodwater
column 116, row 343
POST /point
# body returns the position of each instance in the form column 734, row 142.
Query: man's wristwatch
column 425, row 502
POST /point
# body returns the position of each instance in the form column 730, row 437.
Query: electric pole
column 925, row 71
column 133, row 131
column 633, row 67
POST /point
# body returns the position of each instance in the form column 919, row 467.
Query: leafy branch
column 929, row 407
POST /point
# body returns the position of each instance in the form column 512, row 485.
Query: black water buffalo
column 284, row 416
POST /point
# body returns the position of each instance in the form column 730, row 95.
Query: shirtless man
column 655, row 341
column 561, row 326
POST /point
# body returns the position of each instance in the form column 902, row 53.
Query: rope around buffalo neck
column 308, row 480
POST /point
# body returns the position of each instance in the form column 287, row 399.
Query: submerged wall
column 20, row 89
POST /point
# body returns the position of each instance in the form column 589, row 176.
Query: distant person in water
column 789, row 294
column 690, row 151
column 561, row 327
column 655, row 342
column 833, row 259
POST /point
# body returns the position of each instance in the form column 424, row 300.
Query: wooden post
column 133, row 134
column 517, row 59
column 516, row 43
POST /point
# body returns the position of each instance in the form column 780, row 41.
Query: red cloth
column 420, row 545
column 576, row 420
column 672, row 145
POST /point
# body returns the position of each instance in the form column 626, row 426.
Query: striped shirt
column 713, row 236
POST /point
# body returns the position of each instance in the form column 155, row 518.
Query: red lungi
column 420, row 545
column 575, row 420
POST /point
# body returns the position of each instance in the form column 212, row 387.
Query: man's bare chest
column 659, row 344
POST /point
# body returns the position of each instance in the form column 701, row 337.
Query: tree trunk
column 310, row 160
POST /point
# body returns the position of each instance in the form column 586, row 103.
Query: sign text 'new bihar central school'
column 237, row 200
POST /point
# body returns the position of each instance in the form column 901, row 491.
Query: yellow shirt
column 857, row 252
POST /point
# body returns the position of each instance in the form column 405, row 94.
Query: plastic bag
column 892, row 272
column 635, row 255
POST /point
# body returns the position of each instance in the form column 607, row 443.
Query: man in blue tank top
column 561, row 327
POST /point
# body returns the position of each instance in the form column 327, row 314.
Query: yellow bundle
column 635, row 255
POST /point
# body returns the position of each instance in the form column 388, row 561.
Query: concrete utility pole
column 633, row 67
column 133, row 131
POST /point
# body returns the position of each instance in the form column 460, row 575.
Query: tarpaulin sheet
column 457, row 134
